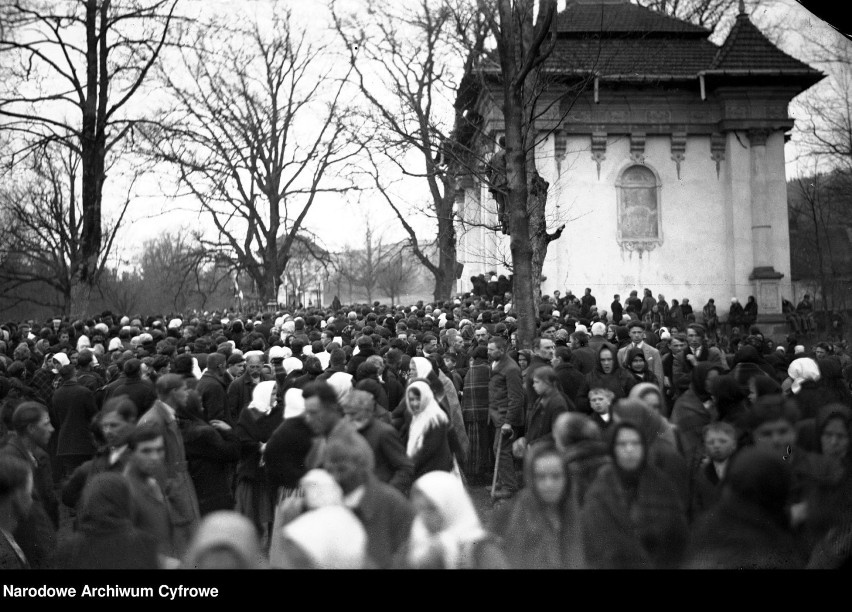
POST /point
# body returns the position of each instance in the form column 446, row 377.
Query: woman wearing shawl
column 341, row 382
column 105, row 537
column 833, row 550
column 636, row 364
column 540, row 528
column 694, row 409
column 804, row 384
column 212, row 449
column 225, row 540
column 450, row 398
column 633, row 517
column 662, row 441
column 447, row 533
column 323, row 535
column 254, row 494
column 286, row 453
column 606, row 375
column 428, row 435
column 480, row 458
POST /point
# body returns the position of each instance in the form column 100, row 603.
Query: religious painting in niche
column 638, row 208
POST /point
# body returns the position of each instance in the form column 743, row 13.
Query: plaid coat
column 475, row 397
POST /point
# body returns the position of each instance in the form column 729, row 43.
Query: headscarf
column 291, row 364
column 638, row 391
column 461, row 524
column 430, row 415
column 226, row 529
column 83, row 342
column 801, row 370
column 262, row 396
column 294, row 403
column 320, row 490
column 699, row 378
column 332, row 536
column 106, row 505
column 647, row 420
column 341, row 382
column 423, row 365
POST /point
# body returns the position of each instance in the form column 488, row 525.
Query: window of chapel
column 639, row 219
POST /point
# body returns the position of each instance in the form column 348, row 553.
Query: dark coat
column 210, row 453
column 183, row 503
column 651, row 532
column 619, row 381
column 239, row 395
column 435, row 453
column 529, row 538
column 152, row 513
column 72, row 489
column 706, row 490
column 392, row 465
column 585, row 459
column 570, row 378
column 139, row 390
column 585, row 359
column 214, row 397
column 540, row 417
column 286, row 452
column 36, row 534
column 252, row 429
column 387, row 517
column 105, row 537
column 737, row 534
column 506, row 393
column 74, row 406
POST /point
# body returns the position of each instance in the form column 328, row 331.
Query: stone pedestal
column 766, row 283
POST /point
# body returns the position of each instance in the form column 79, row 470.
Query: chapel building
column 665, row 158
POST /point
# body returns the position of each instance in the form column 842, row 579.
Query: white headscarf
column 320, row 490
column 461, row 525
column 423, row 365
column 341, row 382
column 83, row 342
column 332, row 536
column 801, row 370
column 430, row 415
column 262, row 396
column 294, row 403
column 291, row 364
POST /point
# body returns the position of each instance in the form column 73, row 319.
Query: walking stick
column 496, row 463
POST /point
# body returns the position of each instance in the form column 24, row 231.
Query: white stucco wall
column 706, row 248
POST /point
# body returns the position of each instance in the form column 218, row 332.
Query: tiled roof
column 624, row 17
column 747, row 48
column 640, row 42
column 654, row 56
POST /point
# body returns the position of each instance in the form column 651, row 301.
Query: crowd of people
column 642, row 436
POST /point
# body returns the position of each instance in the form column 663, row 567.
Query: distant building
column 668, row 169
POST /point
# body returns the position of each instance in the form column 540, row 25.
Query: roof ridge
column 743, row 27
column 688, row 27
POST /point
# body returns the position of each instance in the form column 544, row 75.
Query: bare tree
column 362, row 265
column 404, row 56
column 715, row 15
column 396, row 274
column 524, row 41
column 256, row 133
column 307, row 271
column 71, row 70
column 44, row 245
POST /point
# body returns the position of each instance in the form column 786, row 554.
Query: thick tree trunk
column 539, row 238
column 520, row 246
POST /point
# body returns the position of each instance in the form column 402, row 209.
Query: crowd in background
column 645, row 435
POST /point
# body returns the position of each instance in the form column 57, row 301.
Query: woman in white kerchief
column 428, row 434
column 446, row 532
column 254, row 494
